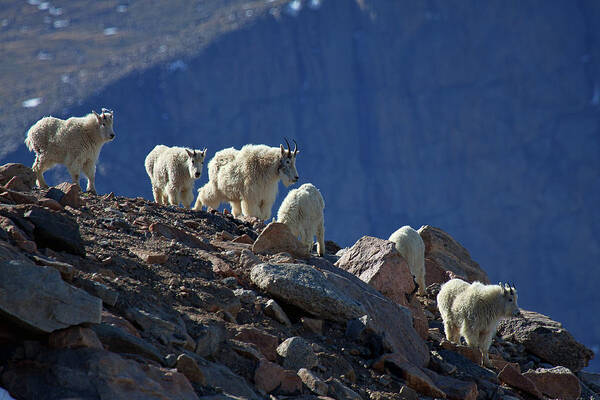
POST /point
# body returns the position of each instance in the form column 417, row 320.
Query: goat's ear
column 189, row 153
column 282, row 150
column 98, row 117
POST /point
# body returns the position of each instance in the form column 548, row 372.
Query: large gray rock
column 331, row 293
column 297, row 353
column 38, row 298
column 547, row 339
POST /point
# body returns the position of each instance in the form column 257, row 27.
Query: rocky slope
column 479, row 118
column 109, row 297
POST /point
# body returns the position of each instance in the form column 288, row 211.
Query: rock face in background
column 479, row 118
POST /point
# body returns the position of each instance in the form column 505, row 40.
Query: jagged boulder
column 39, row 299
column 55, row 230
column 443, row 253
column 378, row 263
column 22, row 172
column 546, row 339
column 334, row 294
column 556, row 383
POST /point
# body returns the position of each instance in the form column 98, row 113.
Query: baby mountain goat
column 409, row 244
column 302, row 212
column 172, row 171
column 75, row 142
column 248, row 179
column 474, row 310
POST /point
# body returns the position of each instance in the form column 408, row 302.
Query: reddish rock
column 119, row 322
column 150, row 257
column 189, row 367
column 171, row 232
column 50, row 203
column 512, row 377
column 219, row 266
column 396, row 358
column 442, row 252
column 556, row 383
column 267, row 376
column 21, row 198
column 276, row 238
column 290, row 383
column 455, row 389
column 243, row 239
column 546, row 339
column 313, row 382
column 414, row 376
column 74, row 337
column 16, row 183
column 470, row 353
column 265, row 342
column 24, row 173
column 378, row 263
column 72, row 194
column 17, row 235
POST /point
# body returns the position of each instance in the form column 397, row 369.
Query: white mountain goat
column 209, row 195
column 248, row 179
column 172, row 171
column 474, row 310
column 409, row 244
column 75, row 142
column 302, row 212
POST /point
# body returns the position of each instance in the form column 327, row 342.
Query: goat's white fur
column 410, row 245
column 172, row 172
column 248, row 179
column 75, row 142
column 474, row 310
column 302, row 212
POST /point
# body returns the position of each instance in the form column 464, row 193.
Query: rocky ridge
column 108, row 297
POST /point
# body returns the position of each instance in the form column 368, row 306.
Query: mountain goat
column 248, row 179
column 409, row 244
column 474, row 310
column 302, row 212
column 172, row 172
column 209, row 195
column 75, row 142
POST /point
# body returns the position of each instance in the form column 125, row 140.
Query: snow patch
column 31, row 103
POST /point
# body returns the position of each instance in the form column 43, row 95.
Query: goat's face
column 105, row 124
column 509, row 295
column 195, row 162
column 287, row 165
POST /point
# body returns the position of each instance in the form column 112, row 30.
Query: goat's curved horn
column 288, row 145
column 295, row 147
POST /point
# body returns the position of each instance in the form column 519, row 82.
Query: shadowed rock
column 547, row 339
column 38, row 298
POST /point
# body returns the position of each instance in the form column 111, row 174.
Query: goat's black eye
column 510, row 300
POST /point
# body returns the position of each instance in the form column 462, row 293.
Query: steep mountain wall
column 479, row 118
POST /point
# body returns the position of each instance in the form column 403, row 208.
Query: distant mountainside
column 482, row 119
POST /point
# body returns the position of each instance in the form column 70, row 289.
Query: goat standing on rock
column 302, row 212
column 474, row 310
column 248, row 179
column 173, row 171
column 75, row 142
column 410, row 245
